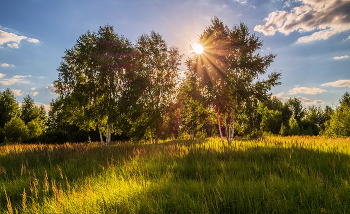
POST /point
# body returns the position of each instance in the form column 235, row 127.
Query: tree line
column 112, row 89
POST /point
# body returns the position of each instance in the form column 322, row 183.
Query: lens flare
column 198, row 48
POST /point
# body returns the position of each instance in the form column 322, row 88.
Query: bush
column 293, row 126
column 54, row 136
column 16, row 130
column 34, row 129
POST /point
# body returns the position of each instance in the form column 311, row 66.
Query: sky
column 311, row 38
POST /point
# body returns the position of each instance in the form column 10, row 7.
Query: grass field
column 270, row 175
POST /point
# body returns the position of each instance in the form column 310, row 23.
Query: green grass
column 271, row 175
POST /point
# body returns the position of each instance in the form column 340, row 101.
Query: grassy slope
column 272, row 175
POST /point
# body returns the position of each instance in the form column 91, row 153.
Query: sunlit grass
column 270, row 175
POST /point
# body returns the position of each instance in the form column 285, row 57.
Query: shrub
column 16, row 130
column 293, row 126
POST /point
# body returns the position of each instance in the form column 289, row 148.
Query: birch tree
column 228, row 71
column 92, row 78
column 157, row 64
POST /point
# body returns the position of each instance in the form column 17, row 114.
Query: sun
column 198, row 49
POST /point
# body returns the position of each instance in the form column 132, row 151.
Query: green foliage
column 8, row 107
column 296, row 108
column 339, row 123
column 16, row 130
column 271, row 119
column 35, row 129
column 293, row 127
column 284, row 130
column 54, row 136
column 227, row 73
column 29, row 111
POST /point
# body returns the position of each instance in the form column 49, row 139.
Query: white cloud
column 326, row 17
column 6, row 37
column 33, row 88
column 51, row 88
column 307, row 101
column 12, row 45
column 35, row 93
column 16, row 79
column 13, row 39
column 339, row 83
column 306, row 90
column 41, row 77
column 47, row 107
column 280, row 97
column 340, row 57
column 33, row 40
column 5, row 65
column 2, row 75
column 347, row 38
column 17, row 92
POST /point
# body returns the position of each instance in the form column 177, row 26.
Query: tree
column 228, row 71
column 293, row 126
column 92, row 79
column 35, row 129
column 339, row 123
column 157, row 65
column 271, row 119
column 8, row 107
column 29, row 111
column 16, row 130
column 295, row 106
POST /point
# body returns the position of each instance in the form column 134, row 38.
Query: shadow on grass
column 258, row 179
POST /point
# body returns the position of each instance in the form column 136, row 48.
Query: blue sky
column 310, row 37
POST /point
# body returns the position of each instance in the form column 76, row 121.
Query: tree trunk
column 227, row 130
column 108, row 138
column 156, row 139
column 219, row 124
column 99, row 130
column 233, row 127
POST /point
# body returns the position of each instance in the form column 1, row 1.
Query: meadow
column 267, row 175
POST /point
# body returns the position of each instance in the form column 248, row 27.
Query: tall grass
column 270, row 175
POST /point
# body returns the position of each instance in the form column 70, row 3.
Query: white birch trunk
column 227, row 130
column 219, row 124
column 99, row 130
column 233, row 127
column 108, row 138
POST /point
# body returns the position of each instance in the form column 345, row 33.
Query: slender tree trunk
column 219, row 124
column 227, row 131
column 156, row 139
column 108, row 138
column 99, row 130
column 233, row 127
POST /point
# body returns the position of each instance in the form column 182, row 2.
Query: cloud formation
column 2, row 75
column 307, row 101
column 304, row 100
column 306, row 90
column 17, row 92
column 35, row 93
column 14, row 40
column 16, row 79
column 51, row 88
column 339, row 83
column 5, row 65
column 280, row 97
column 340, row 57
column 326, row 17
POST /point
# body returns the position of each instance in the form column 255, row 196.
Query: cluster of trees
column 20, row 124
column 110, row 89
